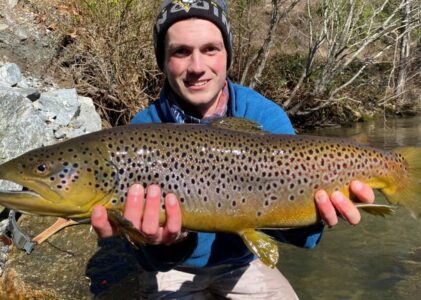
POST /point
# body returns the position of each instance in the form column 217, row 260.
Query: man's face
column 196, row 63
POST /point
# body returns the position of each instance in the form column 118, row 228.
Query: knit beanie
column 173, row 11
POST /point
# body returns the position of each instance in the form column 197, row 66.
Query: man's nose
column 196, row 63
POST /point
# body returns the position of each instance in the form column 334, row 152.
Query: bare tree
column 404, row 53
column 345, row 35
column 280, row 9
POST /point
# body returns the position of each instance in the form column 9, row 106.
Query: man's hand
column 330, row 206
column 144, row 216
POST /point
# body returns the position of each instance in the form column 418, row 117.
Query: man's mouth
column 196, row 83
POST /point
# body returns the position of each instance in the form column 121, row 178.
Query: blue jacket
column 208, row 249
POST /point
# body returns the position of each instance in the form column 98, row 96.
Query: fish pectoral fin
column 261, row 245
column 126, row 228
column 376, row 209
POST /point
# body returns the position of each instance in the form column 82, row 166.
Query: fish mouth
column 40, row 200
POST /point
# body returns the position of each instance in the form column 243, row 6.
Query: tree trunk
column 404, row 53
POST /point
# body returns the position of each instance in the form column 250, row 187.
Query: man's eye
column 212, row 50
column 180, row 52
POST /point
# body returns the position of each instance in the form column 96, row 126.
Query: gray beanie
column 173, row 11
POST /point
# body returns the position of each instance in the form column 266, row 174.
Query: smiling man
column 196, row 66
column 193, row 46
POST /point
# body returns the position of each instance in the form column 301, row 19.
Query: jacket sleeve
column 165, row 257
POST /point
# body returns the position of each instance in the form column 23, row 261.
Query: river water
column 378, row 259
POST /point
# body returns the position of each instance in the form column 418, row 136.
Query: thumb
column 100, row 223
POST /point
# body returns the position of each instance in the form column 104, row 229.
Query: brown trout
column 229, row 176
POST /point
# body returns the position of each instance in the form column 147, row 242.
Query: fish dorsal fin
column 360, row 138
column 238, row 124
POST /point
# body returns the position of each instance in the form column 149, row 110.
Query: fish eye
column 41, row 168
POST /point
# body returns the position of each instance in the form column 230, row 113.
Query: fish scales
column 215, row 171
column 227, row 179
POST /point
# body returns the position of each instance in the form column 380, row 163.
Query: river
column 378, row 259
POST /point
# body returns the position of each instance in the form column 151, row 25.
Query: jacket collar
column 170, row 112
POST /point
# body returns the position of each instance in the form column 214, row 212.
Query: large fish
column 229, row 176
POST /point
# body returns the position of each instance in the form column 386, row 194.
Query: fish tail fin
column 408, row 194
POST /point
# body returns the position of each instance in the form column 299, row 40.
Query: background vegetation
column 324, row 61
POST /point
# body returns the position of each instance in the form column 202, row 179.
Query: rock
column 12, row 3
column 21, row 34
column 30, row 82
column 58, row 106
column 88, row 120
column 21, row 128
column 31, row 94
column 10, row 74
column 3, row 26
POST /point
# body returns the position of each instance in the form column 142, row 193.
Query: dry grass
column 107, row 48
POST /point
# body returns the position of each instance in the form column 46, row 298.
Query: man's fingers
column 326, row 209
column 172, row 227
column 100, row 223
column 346, row 208
column 150, row 222
column 134, row 205
column 363, row 192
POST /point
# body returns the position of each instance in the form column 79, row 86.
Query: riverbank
column 96, row 49
column 83, row 47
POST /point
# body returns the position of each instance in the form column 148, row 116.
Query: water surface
column 378, row 259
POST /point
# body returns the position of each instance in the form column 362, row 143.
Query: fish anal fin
column 261, row 245
column 126, row 228
column 238, row 124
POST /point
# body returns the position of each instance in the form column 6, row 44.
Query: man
column 193, row 46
